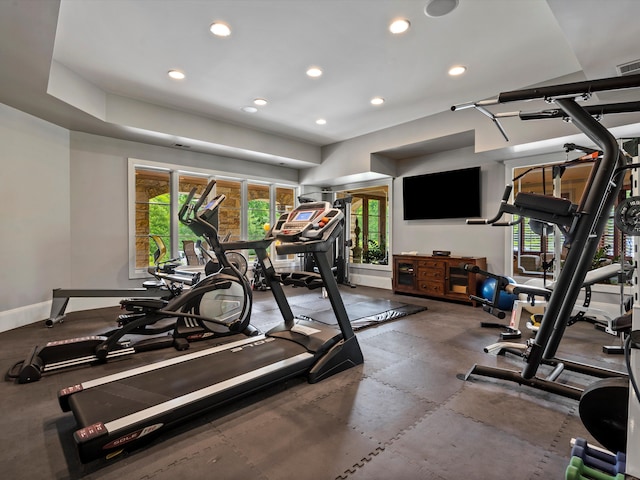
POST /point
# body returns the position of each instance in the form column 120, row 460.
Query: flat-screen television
column 450, row 194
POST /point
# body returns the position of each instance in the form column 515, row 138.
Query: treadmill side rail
column 108, row 437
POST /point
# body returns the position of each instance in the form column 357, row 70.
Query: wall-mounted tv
column 450, row 194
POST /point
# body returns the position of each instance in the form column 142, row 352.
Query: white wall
column 34, row 201
column 99, row 214
column 355, row 156
column 454, row 235
column 63, row 198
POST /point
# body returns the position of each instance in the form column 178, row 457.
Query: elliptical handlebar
column 183, row 213
column 204, row 195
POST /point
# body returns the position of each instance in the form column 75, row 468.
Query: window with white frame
column 157, row 191
column 369, row 229
column 534, row 244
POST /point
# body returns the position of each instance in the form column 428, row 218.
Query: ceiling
column 59, row 55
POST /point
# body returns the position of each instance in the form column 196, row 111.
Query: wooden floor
column 406, row 413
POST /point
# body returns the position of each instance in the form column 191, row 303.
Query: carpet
column 367, row 313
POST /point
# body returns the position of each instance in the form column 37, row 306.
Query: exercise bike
column 216, row 306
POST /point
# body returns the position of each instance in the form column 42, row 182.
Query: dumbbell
column 577, row 470
column 596, row 451
column 616, row 459
column 594, row 461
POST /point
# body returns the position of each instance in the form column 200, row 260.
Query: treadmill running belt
column 114, row 400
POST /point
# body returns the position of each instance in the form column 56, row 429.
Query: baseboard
column 370, row 281
column 19, row 317
column 39, row 312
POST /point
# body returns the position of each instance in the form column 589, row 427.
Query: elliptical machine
column 218, row 305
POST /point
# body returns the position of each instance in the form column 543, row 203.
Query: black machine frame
column 147, row 317
column 583, row 226
column 109, row 423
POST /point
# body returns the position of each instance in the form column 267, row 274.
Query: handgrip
column 481, row 103
column 494, row 221
column 477, row 221
column 507, row 193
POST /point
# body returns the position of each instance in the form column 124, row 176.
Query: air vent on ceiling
column 629, row 68
column 181, row 145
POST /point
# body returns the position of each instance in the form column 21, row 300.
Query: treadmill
column 123, row 411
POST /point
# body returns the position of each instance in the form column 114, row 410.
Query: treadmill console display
column 304, row 215
column 310, row 221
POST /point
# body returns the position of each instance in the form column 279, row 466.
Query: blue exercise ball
column 505, row 300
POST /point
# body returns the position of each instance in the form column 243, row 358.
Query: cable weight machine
column 339, row 254
column 584, row 225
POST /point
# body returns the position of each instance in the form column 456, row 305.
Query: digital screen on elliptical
column 211, row 204
column 304, row 216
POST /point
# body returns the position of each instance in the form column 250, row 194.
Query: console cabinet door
column 438, row 277
column 404, row 275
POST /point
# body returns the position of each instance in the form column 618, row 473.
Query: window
column 230, row 214
column 152, row 214
column 157, row 191
column 534, row 244
column 285, row 203
column 258, row 210
column 369, row 224
column 187, row 240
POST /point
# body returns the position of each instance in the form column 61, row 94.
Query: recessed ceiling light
column 457, row 70
column 314, row 72
column 377, row 101
column 220, row 29
column 439, row 8
column 176, row 74
column 321, row 121
column 260, row 102
column 249, row 109
column 399, row 26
